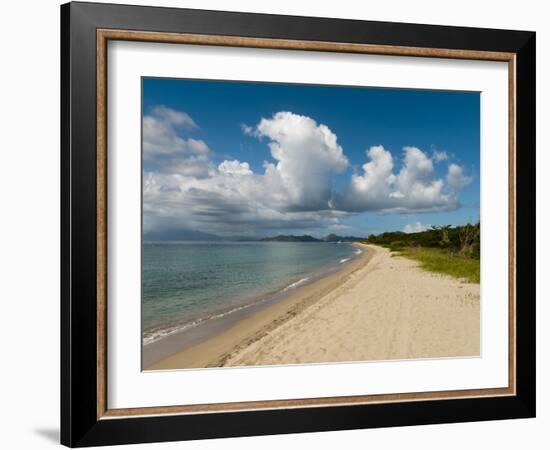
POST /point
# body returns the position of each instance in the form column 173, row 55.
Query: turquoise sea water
column 185, row 284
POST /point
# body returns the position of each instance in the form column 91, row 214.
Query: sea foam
column 296, row 284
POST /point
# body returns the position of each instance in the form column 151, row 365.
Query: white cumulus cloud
column 162, row 129
column 184, row 188
column 307, row 155
column 235, row 167
column 456, row 178
column 416, row 227
column 414, row 188
column 188, row 191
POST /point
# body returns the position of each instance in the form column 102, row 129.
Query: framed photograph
column 276, row 224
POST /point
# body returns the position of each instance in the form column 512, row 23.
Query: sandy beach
column 378, row 307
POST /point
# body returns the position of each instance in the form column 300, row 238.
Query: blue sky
column 204, row 123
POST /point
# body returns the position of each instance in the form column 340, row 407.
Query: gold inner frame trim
column 104, row 35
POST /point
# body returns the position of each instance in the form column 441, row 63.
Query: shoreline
column 381, row 307
column 207, row 352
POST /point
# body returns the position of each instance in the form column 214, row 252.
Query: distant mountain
column 336, row 238
column 291, row 238
column 179, row 235
column 184, row 234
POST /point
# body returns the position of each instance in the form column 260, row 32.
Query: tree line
column 459, row 241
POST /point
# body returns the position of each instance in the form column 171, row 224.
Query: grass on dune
column 446, row 249
column 443, row 261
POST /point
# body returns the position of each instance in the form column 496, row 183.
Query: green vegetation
column 337, row 238
column 449, row 250
column 441, row 261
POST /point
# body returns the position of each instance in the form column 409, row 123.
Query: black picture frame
column 80, row 425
